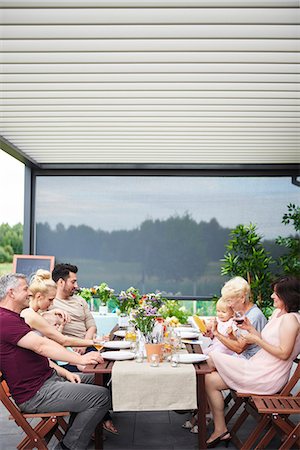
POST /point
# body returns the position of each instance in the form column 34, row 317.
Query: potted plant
column 145, row 320
column 247, row 257
column 126, row 302
column 174, row 313
column 103, row 292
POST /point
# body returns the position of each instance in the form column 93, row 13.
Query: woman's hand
column 247, row 325
column 63, row 315
column 250, row 338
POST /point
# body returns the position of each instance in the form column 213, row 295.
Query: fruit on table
column 173, row 321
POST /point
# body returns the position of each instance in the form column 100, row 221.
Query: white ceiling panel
column 151, row 82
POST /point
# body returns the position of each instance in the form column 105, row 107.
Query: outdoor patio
column 143, row 430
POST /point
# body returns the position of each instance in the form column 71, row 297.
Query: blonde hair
column 237, row 287
column 222, row 302
column 41, row 281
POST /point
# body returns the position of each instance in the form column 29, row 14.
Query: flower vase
column 123, row 320
column 103, row 309
column 154, row 349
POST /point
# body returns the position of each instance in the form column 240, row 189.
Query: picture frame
column 29, row 264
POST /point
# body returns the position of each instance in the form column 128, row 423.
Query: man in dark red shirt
column 38, row 385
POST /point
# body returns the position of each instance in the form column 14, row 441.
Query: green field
column 5, row 268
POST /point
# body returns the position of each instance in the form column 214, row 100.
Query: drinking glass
column 139, row 357
column 239, row 317
column 154, row 360
column 99, row 342
column 130, row 334
column 174, row 360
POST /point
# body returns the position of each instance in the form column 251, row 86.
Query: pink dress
column 263, row 373
column 216, row 344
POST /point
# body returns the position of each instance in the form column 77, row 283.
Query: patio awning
column 151, row 82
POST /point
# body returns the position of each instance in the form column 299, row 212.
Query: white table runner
column 140, row 387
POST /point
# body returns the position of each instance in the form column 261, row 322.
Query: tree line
column 11, row 241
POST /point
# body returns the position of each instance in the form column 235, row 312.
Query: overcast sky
column 113, row 203
column 12, row 189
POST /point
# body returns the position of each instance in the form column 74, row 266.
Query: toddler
column 225, row 326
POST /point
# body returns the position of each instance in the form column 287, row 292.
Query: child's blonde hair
column 41, row 281
column 222, row 302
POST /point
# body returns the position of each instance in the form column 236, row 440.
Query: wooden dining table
column 102, row 370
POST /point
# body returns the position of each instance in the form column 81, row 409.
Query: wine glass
column 98, row 341
column 239, row 317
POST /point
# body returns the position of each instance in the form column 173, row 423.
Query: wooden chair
column 249, row 409
column 278, row 408
column 39, row 435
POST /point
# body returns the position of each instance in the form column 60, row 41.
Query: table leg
column 201, row 402
column 99, row 428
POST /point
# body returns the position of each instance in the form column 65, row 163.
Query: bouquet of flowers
column 145, row 316
column 103, row 292
column 128, row 300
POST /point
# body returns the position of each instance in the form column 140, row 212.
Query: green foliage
column 290, row 261
column 173, row 308
column 11, row 241
column 246, row 257
column 103, row 292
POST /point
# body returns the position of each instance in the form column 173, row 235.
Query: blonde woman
column 43, row 292
column 236, row 292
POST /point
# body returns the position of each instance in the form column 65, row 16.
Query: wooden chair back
column 39, row 435
column 249, row 408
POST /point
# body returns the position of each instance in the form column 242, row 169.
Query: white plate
column 192, row 357
column 180, row 329
column 120, row 333
column 192, row 341
column 117, row 344
column 118, row 356
column 189, row 335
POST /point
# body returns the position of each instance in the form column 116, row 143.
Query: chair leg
column 236, row 426
column 252, row 438
column 266, row 439
column 43, row 428
column 292, row 438
column 238, row 403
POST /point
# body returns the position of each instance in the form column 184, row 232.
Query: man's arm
column 50, row 349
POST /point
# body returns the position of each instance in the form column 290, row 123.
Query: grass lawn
column 5, row 268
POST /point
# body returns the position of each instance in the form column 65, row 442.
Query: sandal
column 187, row 425
column 194, row 429
column 109, row 426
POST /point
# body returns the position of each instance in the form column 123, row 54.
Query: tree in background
column 290, row 262
column 247, row 257
column 11, row 241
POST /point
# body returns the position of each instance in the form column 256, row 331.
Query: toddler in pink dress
column 225, row 325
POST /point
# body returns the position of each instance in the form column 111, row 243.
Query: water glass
column 139, row 357
column 154, row 360
column 174, row 360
